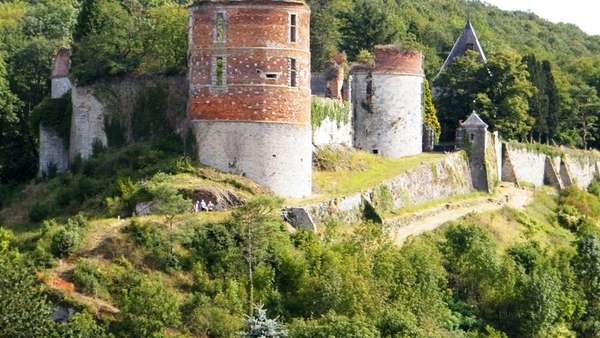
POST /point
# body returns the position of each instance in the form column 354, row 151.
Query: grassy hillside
column 182, row 274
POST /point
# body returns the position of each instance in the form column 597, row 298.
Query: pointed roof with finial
column 466, row 41
column 474, row 121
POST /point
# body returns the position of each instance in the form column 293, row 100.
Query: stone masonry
column 249, row 99
column 387, row 103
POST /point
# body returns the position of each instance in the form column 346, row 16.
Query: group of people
column 203, row 206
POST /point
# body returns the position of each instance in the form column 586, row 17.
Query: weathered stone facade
column 447, row 177
column 249, row 98
column 87, row 123
column 573, row 167
column 52, row 150
column 387, row 104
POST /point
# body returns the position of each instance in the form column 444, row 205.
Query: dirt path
column 427, row 220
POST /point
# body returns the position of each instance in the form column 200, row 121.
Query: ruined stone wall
column 120, row 99
column 561, row 168
column 87, row 123
column 447, row 177
column 52, row 151
column 332, row 132
column 59, row 86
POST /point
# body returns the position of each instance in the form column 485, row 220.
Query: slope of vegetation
column 74, row 240
column 517, row 273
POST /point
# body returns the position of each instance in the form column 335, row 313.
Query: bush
column 89, row 277
column 143, row 233
column 39, row 212
column 65, row 242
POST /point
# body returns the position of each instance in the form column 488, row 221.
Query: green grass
column 372, row 171
column 414, row 208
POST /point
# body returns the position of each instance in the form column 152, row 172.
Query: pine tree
column 430, row 119
column 261, row 326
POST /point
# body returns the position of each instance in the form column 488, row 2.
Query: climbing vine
column 55, row 114
column 322, row 108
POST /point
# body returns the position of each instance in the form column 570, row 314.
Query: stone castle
column 249, row 89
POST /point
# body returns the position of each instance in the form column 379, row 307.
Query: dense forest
column 531, row 273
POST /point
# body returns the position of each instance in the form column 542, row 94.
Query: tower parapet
column 249, row 99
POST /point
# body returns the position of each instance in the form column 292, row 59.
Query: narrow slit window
column 271, row 75
column 220, row 27
column 219, row 70
column 369, row 91
column 293, row 32
column 293, row 73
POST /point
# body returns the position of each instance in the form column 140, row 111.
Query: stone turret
column 483, row 150
column 250, row 99
column 388, row 103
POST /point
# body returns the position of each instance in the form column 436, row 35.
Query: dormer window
column 293, row 28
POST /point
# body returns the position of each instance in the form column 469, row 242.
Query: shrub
column 370, row 214
column 89, row 277
column 65, row 242
column 39, row 212
column 183, row 164
column 143, row 233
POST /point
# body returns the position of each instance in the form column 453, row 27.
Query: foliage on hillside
column 512, row 273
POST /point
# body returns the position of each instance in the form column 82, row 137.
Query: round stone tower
column 249, row 99
column 388, row 103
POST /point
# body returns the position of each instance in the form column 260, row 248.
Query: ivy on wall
column 149, row 115
column 321, row 108
column 55, row 114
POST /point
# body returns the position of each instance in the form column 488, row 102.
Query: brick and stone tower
column 388, row 103
column 249, row 77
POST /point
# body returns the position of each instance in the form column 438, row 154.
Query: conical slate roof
column 466, row 41
column 474, row 121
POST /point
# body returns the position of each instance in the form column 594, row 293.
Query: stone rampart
column 557, row 166
column 523, row 166
column 332, row 132
column 582, row 169
column 447, row 177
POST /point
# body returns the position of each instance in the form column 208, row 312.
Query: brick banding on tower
column 249, row 99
